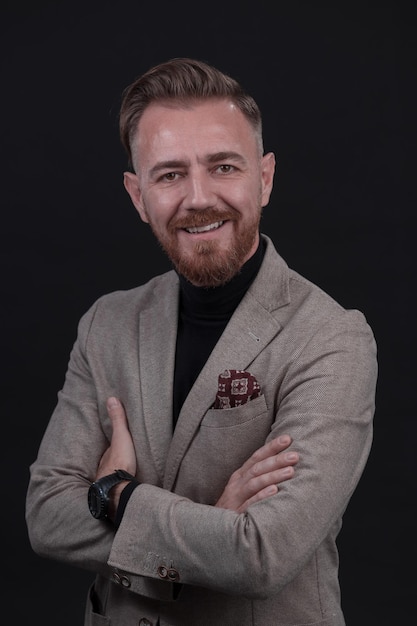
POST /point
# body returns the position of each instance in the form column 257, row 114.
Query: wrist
column 123, row 500
column 102, row 501
column 114, row 498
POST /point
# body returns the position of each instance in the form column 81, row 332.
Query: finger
column 116, row 411
column 266, row 485
column 280, row 460
column 270, row 478
column 269, row 491
column 121, row 452
column 238, row 493
column 270, row 449
column 118, row 418
column 258, row 483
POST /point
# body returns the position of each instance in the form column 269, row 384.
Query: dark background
column 336, row 83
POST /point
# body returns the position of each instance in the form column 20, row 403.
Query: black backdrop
column 336, row 83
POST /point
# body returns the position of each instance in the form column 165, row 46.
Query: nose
column 199, row 191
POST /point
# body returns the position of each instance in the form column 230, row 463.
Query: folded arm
column 258, row 478
column 324, row 401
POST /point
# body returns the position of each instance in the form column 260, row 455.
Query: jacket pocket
column 92, row 611
column 226, row 418
column 225, row 439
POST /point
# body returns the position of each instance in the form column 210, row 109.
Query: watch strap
column 104, row 485
column 123, row 500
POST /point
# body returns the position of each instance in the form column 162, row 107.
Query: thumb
column 121, row 452
column 118, row 418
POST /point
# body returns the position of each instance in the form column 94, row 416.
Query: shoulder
column 141, row 295
column 297, row 302
column 120, row 307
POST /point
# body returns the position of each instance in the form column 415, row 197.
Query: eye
column 225, row 168
column 170, row 176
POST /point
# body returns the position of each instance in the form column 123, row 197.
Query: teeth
column 204, row 229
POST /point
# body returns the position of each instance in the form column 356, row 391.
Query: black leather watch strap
column 124, row 499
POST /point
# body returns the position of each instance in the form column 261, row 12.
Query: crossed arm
column 256, row 479
column 327, row 399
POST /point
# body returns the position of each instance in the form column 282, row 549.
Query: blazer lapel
column 250, row 330
column 157, row 341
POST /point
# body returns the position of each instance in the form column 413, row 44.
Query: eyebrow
column 216, row 157
column 167, row 165
column 225, row 156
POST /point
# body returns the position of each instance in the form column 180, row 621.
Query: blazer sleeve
column 59, row 523
column 57, row 515
column 325, row 401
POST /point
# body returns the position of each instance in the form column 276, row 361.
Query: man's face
column 201, row 183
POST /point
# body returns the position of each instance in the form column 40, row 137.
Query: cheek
column 160, row 207
column 243, row 199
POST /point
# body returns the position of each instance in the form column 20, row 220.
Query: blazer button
column 173, row 575
column 162, row 571
column 116, row 578
column 125, row 582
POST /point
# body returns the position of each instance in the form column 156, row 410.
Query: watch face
column 98, row 493
column 96, row 502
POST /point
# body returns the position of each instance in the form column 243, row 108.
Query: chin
column 208, row 266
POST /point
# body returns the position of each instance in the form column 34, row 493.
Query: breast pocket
column 225, row 440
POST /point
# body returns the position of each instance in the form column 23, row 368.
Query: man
column 183, row 396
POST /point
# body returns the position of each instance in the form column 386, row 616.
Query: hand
column 259, row 476
column 119, row 455
column 121, row 452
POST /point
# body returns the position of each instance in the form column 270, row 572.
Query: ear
column 267, row 173
column 131, row 184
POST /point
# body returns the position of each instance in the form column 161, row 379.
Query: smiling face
column 201, row 182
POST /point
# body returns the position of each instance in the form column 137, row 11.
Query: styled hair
column 181, row 81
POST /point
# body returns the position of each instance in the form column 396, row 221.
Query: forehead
column 214, row 124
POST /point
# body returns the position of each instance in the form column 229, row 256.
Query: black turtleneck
column 203, row 316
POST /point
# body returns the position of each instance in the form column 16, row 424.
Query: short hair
column 181, row 80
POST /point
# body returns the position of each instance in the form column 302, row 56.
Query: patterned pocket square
column 235, row 387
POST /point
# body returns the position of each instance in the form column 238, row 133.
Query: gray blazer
column 278, row 563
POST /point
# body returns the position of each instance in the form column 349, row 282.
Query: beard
column 208, row 265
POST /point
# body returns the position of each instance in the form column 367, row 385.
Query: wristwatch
column 98, row 493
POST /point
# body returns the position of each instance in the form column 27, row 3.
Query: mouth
column 204, row 229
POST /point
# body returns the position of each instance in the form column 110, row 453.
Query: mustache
column 201, row 217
